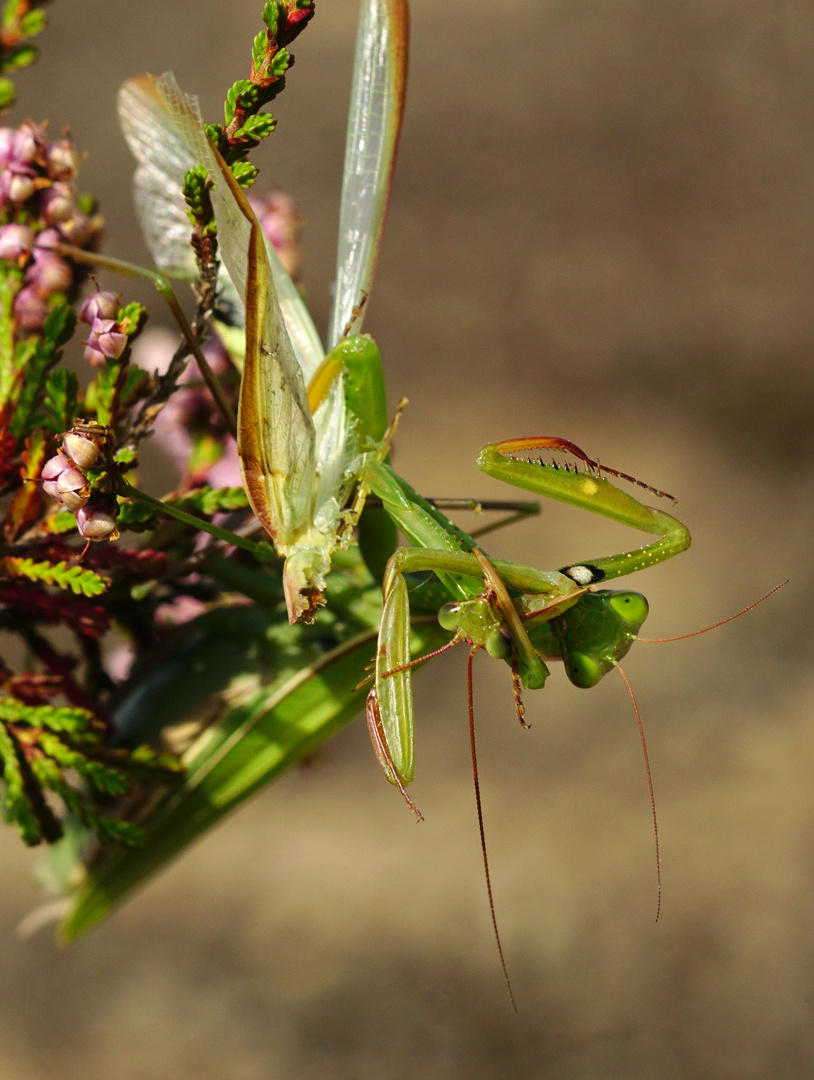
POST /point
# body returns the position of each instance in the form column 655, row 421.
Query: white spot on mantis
column 581, row 574
column 589, row 487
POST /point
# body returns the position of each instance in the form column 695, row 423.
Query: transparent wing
column 275, row 429
column 164, row 156
column 307, row 344
column 374, row 125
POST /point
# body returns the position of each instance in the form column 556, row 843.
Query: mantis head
column 597, row 632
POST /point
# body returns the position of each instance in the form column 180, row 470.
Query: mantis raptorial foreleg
column 589, row 491
column 484, row 616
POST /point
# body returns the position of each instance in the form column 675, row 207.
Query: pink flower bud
column 18, row 184
column 57, row 203
column 61, row 160
column 119, row 661
column 65, row 483
column 93, row 356
column 72, row 485
column 101, row 305
column 21, row 188
column 226, row 472
column 281, row 221
column 107, row 338
column 29, row 143
column 153, row 351
column 51, row 472
column 179, row 611
column 97, row 521
column 79, row 229
column 294, row 23
column 16, row 242
column 54, row 466
column 83, row 451
column 48, row 273
column 30, row 308
column 47, row 239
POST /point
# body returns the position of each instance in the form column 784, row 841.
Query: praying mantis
column 314, row 437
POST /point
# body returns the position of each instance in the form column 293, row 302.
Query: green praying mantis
column 314, row 432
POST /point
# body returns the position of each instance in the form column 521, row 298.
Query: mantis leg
column 589, row 491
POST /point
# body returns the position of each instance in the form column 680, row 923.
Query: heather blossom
column 16, row 242
column 85, row 452
column 190, row 429
column 100, row 305
column 107, row 340
column 85, row 447
column 281, row 221
column 39, row 209
column 97, row 520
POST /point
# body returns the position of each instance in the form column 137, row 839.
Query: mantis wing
column 374, row 126
column 163, row 159
column 164, row 156
column 275, row 429
column 377, row 103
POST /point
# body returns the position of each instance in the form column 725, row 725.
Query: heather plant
column 157, row 679
column 92, row 580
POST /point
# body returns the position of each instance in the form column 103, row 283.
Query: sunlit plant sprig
column 245, row 125
column 47, row 750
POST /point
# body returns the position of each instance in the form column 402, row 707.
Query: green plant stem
column 256, row 549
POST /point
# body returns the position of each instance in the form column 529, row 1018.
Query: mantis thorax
column 477, row 621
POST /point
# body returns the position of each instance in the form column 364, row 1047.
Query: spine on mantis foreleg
column 590, row 491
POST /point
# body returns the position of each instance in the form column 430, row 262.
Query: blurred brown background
column 602, row 228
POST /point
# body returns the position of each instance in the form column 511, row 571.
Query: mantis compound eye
column 449, row 616
column 631, row 608
column 585, row 670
